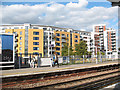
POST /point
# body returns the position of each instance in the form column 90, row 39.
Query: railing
column 63, row 40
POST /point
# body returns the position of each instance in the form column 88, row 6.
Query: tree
column 81, row 48
column 89, row 54
column 102, row 53
column 65, row 50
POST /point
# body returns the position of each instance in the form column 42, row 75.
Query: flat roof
column 114, row 0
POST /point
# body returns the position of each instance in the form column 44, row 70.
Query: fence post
column 101, row 58
column 20, row 61
column 38, row 60
column 96, row 60
column 83, row 59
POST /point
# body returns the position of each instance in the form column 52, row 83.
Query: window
column 57, row 34
column 63, row 34
column 35, row 38
column 35, row 48
column 57, row 44
column 67, row 35
column 35, row 33
column 35, row 28
column 57, row 48
column 20, row 43
column 20, row 38
column 20, row 48
column 57, row 39
column 76, row 40
column 58, row 53
column 76, row 36
column 35, row 53
column 16, row 27
column 20, row 33
column 8, row 32
column 44, row 28
column 35, row 43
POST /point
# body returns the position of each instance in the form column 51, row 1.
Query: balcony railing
column 63, row 40
column 63, row 36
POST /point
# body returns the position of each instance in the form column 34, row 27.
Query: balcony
column 113, row 38
column 62, row 45
column 16, row 45
column 46, row 44
column 53, row 36
column 63, row 36
column 16, row 50
column 63, row 40
column 16, row 40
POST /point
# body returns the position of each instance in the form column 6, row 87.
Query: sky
column 76, row 14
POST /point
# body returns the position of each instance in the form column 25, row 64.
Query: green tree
column 81, row 48
column 102, row 53
column 65, row 50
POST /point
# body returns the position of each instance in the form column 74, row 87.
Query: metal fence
column 86, row 59
column 23, row 60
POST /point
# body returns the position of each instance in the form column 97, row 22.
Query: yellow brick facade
column 63, row 36
column 74, row 38
column 66, row 38
column 21, row 40
column 30, row 41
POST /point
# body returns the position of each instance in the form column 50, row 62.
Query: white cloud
column 71, row 15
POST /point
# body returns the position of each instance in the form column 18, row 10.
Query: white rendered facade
column 105, row 42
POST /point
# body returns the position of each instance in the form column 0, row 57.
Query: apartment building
column 77, row 36
column 45, row 40
column 48, row 40
column 111, row 43
column 104, row 40
column 27, row 39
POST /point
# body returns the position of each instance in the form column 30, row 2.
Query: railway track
column 37, row 82
column 94, row 83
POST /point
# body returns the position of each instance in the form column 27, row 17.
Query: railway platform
column 45, row 70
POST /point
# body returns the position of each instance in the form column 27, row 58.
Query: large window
column 35, row 43
column 76, row 40
column 35, row 33
column 57, row 44
column 20, row 48
column 67, row 35
column 57, row 34
column 57, row 48
column 35, row 28
column 35, row 38
column 21, row 33
column 35, row 48
column 20, row 38
column 57, row 39
column 76, row 36
column 58, row 53
column 20, row 43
